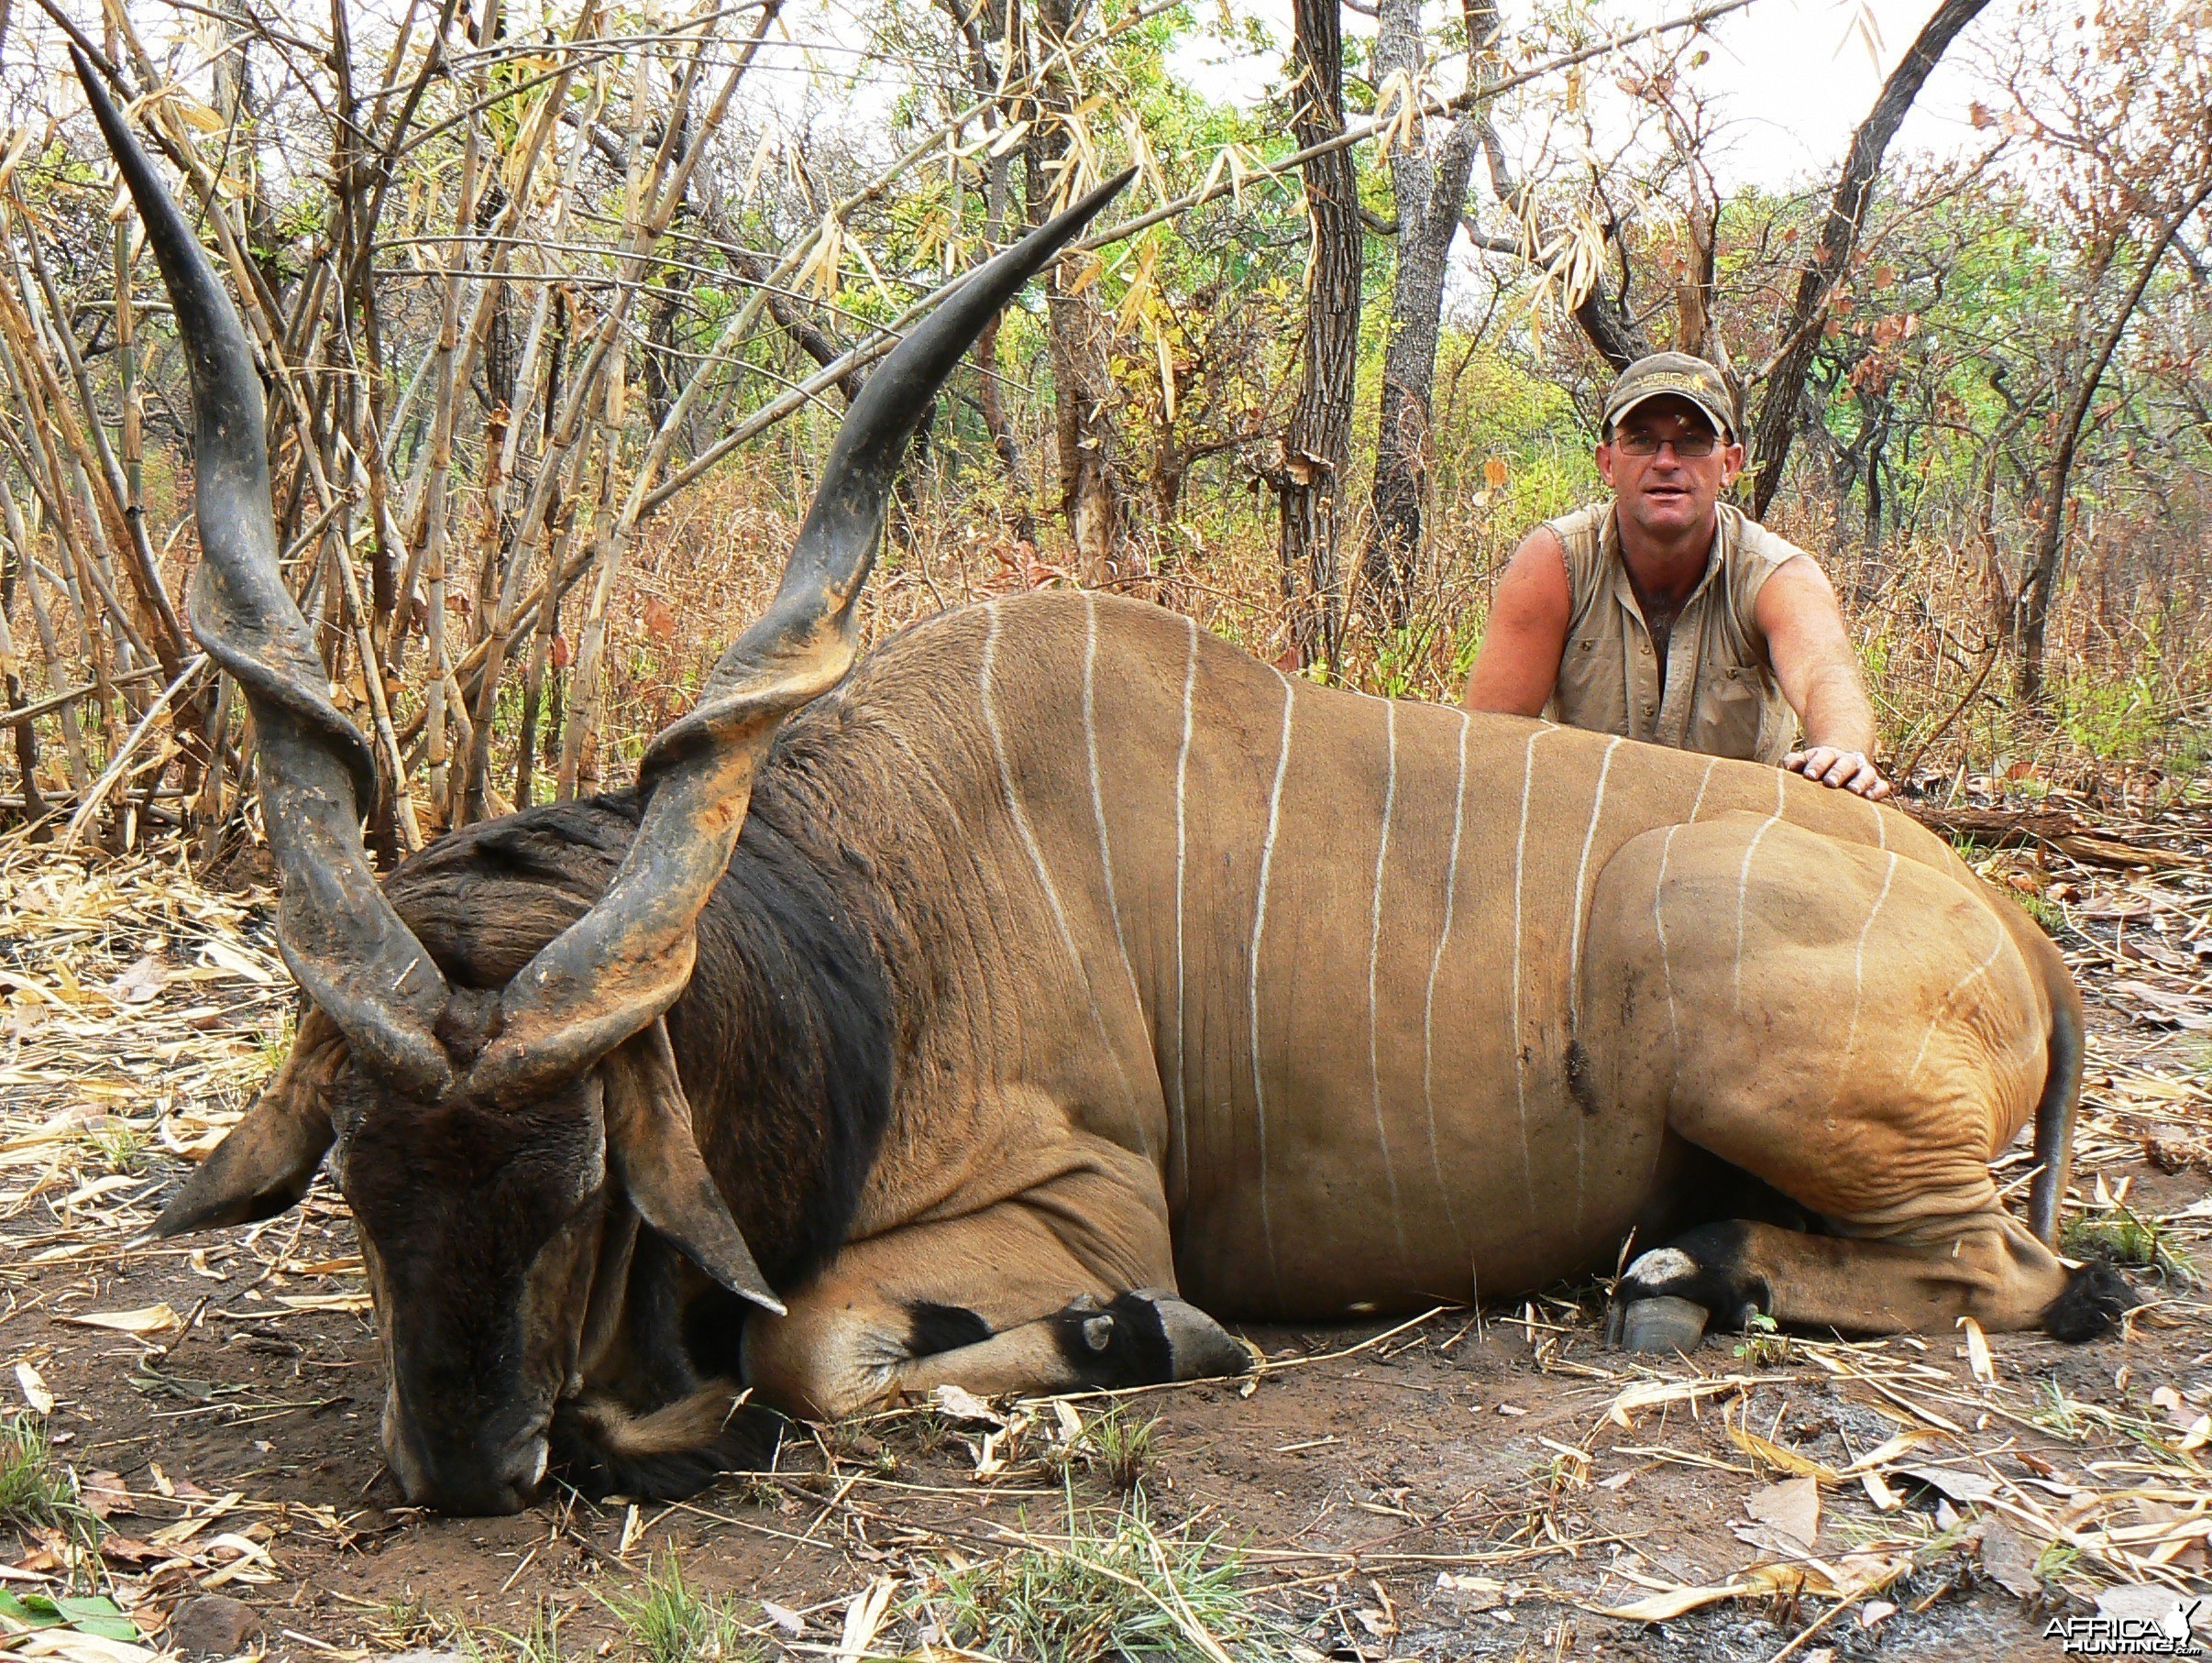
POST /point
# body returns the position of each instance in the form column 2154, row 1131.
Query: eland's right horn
column 345, row 946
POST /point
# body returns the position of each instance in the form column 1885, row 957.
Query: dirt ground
column 1465, row 1485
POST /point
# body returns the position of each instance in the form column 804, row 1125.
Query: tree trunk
column 1604, row 321
column 1776, row 423
column 1083, row 381
column 2035, row 606
column 981, row 27
column 1317, row 446
column 1430, row 195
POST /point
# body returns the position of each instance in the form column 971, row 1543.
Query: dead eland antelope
column 978, row 1013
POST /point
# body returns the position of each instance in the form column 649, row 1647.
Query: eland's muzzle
column 484, row 1476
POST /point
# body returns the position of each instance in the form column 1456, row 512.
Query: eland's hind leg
column 1861, row 1030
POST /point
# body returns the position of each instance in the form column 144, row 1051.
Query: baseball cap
column 1675, row 374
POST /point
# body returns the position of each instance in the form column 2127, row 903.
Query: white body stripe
column 1436, row 963
column 1182, row 773
column 1574, row 962
column 1942, row 1007
column 1267, row 862
column 1858, row 971
column 1743, row 883
column 1574, row 941
column 1704, row 780
column 1528, row 766
column 1028, row 833
column 1667, row 969
column 1090, row 739
column 1374, row 958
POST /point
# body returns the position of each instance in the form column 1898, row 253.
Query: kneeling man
column 1668, row 616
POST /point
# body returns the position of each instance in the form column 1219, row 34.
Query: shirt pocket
column 1730, row 704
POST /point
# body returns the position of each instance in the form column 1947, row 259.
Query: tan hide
column 1372, row 997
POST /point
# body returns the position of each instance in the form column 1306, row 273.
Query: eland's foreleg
column 997, row 1302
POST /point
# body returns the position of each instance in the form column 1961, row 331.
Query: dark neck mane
column 784, row 1038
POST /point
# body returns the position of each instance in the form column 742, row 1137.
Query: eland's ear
column 270, row 1158
column 656, row 1158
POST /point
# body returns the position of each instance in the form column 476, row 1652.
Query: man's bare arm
column 1819, row 673
column 1518, row 663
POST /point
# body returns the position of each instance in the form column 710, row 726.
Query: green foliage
column 1116, row 1447
column 94, row 1614
column 34, row 1487
column 1764, row 1345
column 2125, row 1238
column 668, row 1621
column 538, row 1643
column 1117, row 1590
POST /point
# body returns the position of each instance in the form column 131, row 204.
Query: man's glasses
column 1696, row 445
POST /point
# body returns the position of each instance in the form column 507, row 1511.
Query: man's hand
column 1846, row 770
column 1820, row 675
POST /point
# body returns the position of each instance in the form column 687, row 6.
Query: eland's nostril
column 526, row 1470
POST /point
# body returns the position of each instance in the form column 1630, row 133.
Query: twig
column 115, row 769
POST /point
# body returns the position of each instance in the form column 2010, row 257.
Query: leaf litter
column 1455, row 1474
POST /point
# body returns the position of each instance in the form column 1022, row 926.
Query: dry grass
column 2130, row 692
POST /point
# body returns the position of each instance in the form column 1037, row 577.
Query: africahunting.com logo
column 2126, row 1629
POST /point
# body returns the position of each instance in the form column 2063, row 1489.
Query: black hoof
column 1661, row 1325
column 2096, row 1297
column 1704, row 1269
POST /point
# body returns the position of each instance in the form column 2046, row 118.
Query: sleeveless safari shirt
column 1720, row 696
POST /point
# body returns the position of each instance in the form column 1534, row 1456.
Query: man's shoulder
column 1578, row 522
column 1760, row 549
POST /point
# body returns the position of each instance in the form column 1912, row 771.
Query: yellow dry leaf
column 1658, row 1393
column 1788, row 1460
column 34, row 1389
column 1977, row 1352
column 147, row 1319
column 323, row 1302
column 1882, row 1454
column 229, row 958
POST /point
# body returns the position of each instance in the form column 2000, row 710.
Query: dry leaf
column 324, row 1302
column 1791, row 1509
column 147, row 1319
column 1664, row 1607
column 2008, row 1561
column 34, row 1389
column 1977, row 1352
column 863, row 1618
column 963, row 1405
column 1477, row 1593
column 1966, row 1488
column 105, row 1494
column 1656, row 1393
column 73, row 1648
column 1788, row 1460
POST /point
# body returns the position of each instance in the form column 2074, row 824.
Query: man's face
column 1664, row 493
